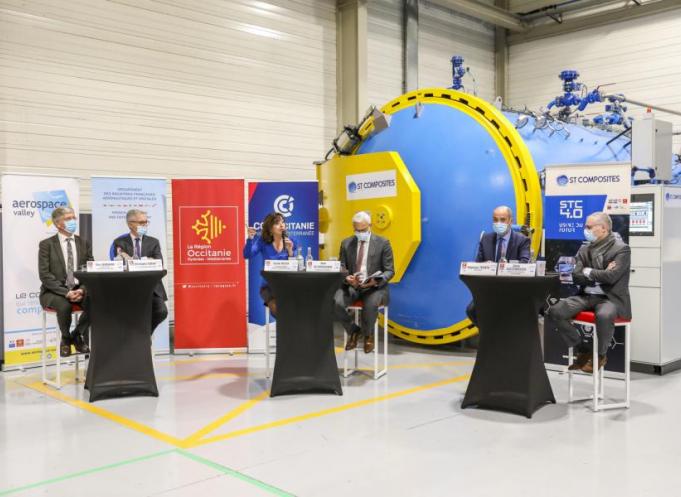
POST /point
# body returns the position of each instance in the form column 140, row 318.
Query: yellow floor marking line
column 116, row 418
column 416, row 365
column 202, row 376
column 326, row 412
column 195, row 437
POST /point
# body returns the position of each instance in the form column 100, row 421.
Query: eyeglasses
column 140, row 223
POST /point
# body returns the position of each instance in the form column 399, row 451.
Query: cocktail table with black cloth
column 509, row 372
column 120, row 318
column 306, row 359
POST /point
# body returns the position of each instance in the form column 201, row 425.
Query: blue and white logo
column 562, row 180
column 352, row 187
column 283, row 204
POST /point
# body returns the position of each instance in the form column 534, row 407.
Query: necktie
column 360, row 255
column 138, row 249
column 70, row 282
column 500, row 243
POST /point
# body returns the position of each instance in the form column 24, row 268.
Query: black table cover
column 306, row 359
column 120, row 318
column 509, row 373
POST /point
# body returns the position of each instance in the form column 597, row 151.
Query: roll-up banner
column 297, row 202
column 573, row 192
column 27, row 205
column 112, row 198
column 209, row 271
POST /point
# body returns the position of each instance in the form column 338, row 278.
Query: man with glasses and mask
column 58, row 258
column 138, row 245
column 368, row 258
column 602, row 271
column 501, row 244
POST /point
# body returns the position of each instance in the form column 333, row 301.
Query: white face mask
column 362, row 236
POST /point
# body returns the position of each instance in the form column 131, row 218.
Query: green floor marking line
column 85, row 473
column 235, row 474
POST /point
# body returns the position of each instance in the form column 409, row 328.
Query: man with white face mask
column 502, row 243
column 138, row 245
column 58, row 258
column 602, row 271
column 364, row 254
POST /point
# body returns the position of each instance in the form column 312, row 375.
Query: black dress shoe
column 65, row 347
column 81, row 346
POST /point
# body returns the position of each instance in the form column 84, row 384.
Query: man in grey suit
column 602, row 270
column 364, row 254
column 58, row 257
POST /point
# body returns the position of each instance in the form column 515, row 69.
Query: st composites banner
column 209, row 270
column 112, row 198
column 28, row 202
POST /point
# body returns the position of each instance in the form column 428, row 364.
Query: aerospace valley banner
column 297, row 202
column 27, row 205
column 573, row 192
column 209, row 270
column 112, row 198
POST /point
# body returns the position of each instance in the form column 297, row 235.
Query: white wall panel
column 443, row 33
column 172, row 88
column 640, row 57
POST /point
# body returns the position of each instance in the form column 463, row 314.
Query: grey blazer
column 52, row 266
column 614, row 282
column 380, row 257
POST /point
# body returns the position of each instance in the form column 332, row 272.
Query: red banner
column 210, row 274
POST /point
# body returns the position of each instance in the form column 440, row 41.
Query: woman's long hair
column 270, row 220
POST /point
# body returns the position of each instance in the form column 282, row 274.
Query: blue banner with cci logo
column 566, row 215
column 297, row 202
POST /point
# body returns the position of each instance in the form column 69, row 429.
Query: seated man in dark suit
column 363, row 255
column 58, row 257
column 502, row 244
column 602, row 271
column 137, row 245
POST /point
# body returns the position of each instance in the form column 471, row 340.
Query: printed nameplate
column 479, row 268
column 324, row 266
column 516, row 269
column 104, row 266
column 281, row 265
column 541, row 268
column 145, row 265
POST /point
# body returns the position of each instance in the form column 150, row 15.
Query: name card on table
column 323, row 266
column 104, row 266
column 145, row 265
column 281, row 265
column 516, row 269
column 478, row 268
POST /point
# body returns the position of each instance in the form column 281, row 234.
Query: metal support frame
column 351, row 61
column 57, row 383
column 501, row 57
column 598, row 395
column 376, row 373
column 410, row 49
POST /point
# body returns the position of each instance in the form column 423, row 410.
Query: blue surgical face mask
column 141, row 230
column 589, row 235
column 500, row 228
column 71, row 226
column 362, row 236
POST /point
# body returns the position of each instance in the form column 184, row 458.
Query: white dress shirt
column 363, row 264
column 64, row 250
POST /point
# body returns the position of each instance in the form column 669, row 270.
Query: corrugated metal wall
column 172, row 88
column 442, row 33
column 641, row 57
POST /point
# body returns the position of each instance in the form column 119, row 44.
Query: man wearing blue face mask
column 137, row 245
column 368, row 258
column 602, row 271
column 502, row 244
column 58, row 258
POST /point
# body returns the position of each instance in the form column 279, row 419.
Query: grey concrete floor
column 214, row 431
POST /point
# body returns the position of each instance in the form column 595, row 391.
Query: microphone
column 284, row 235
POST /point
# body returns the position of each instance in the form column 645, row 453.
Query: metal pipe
column 655, row 107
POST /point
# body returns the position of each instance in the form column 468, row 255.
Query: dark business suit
column 379, row 258
column 53, row 290
column 517, row 249
column 151, row 248
column 614, row 303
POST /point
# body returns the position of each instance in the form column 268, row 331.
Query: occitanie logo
column 208, row 227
